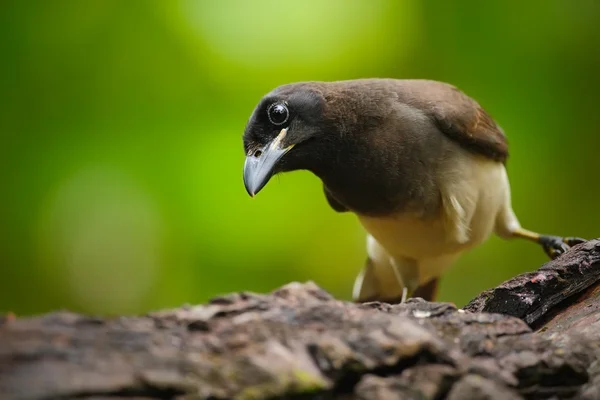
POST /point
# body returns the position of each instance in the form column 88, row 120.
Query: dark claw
column 572, row 241
column 554, row 246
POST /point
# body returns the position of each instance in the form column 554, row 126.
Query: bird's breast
column 407, row 236
column 473, row 192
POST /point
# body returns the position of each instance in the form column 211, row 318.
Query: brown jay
column 420, row 164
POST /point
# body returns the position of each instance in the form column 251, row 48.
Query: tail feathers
column 367, row 287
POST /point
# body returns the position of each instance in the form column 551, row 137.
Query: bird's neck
column 377, row 185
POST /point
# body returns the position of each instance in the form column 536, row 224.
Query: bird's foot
column 555, row 246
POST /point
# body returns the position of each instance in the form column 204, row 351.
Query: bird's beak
column 259, row 164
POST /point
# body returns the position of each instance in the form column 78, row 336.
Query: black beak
column 259, row 164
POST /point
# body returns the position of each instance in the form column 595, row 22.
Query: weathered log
column 534, row 336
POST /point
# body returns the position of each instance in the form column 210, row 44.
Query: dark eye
column 278, row 113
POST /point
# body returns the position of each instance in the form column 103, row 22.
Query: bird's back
column 457, row 115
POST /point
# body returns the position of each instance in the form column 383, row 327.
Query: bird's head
column 285, row 132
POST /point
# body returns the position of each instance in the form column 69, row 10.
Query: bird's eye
column 278, row 114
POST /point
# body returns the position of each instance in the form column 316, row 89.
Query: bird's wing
column 458, row 116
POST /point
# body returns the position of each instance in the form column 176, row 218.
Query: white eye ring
column 282, row 109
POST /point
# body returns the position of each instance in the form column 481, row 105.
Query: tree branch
column 534, row 336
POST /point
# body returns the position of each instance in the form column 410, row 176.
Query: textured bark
column 534, row 336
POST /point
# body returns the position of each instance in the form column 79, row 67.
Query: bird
column 419, row 162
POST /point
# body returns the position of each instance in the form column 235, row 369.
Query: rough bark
column 534, row 336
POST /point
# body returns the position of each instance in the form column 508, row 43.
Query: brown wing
column 458, row 116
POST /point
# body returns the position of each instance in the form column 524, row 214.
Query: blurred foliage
column 121, row 153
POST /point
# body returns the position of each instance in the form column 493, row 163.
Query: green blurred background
column 121, row 153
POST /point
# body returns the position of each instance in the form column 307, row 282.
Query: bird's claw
column 572, row 241
column 555, row 246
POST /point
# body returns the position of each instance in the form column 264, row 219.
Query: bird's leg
column 554, row 246
column 404, row 294
column 406, row 278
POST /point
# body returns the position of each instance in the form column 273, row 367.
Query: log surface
column 534, row 336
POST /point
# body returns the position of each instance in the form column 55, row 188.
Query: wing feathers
column 457, row 115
